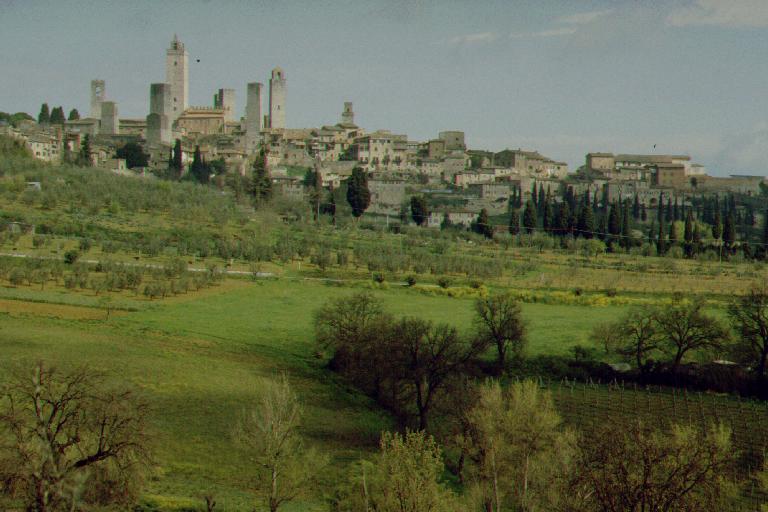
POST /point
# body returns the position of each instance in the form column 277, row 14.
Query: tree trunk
column 273, row 492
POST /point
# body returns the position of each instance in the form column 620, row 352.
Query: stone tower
column 158, row 120
column 98, row 93
column 225, row 100
column 177, row 76
column 277, row 99
column 110, row 122
column 253, row 115
column 347, row 116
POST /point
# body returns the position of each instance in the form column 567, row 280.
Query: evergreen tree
column 84, row 157
column 483, row 224
column 358, row 195
column 717, row 226
column 696, row 238
column 668, row 212
column 595, row 206
column 330, row 206
column 661, row 246
column 175, row 159
column 514, row 222
column 529, row 217
column 57, row 116
column 548, row 219
column 199, row 170
column 313, row 181
column 614, row 223
column 74, row 115
column 534, row 196
column 636, row 208
column 133, row 154
column 660, row 209
column 541, row 200
column 261, row 181
column 604, row 204
column 626, row 234
column 688, row 235
column 44, row 117
column 586, row 223
column 643, row 213
column 419, row 210
column 729, row 231
column 563, row 218
column 602, row 227
column 652, row 232
column 675, row 211
column 672, row 234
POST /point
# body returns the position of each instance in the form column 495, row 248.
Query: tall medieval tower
column 98, row 95
column 177, row 76
column 277, row 99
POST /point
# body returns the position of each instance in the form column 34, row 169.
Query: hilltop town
column 459, row 180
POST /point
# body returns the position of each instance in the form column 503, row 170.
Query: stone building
column 177, row 76
column 277, row 90
column 98, row 94
column 110, row 121
column 201, row 121
column 225, row 100
column 159, row 119
column 387, row 195
column 253, row 117
column 348, row 115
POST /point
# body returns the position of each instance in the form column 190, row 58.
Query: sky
column 562, row 77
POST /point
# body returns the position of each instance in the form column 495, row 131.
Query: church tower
column 277, row 99
column 177, row 76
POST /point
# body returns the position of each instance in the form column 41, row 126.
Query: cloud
column 724, row 13
column 469, row 39
column 553, row 32
column 582, row 18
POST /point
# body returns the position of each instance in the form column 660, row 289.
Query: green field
column 198, row 358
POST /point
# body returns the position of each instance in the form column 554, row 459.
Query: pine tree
column 358, row 195
column 44, row 117
column 74, row 115
column 514, row 222
column 529, row 217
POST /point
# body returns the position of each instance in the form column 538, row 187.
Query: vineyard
column 586, row 405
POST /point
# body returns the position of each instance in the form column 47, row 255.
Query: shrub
column 378, row 277
column 443, row 282
column 410, row 280
column 71, row 256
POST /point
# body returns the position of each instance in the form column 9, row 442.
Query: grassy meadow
column 198, row 359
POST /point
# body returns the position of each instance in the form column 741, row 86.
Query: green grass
column 198, row 360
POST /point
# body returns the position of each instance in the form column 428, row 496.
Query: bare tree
column 635, row 336
column 499, row 323
column 269, row 431
column 66, row 438
column 636, row 468
column 749, row 317
column 687, row 327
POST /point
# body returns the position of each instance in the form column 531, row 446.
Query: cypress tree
column 626, row 240
column 514, row 222
column 660, row 209
column 542, row 199
column 549, row 214
column 602, row 227
column 84, row 158
column 688, row 235
column 529, row 217
column 696, row 238
column 643, row 213
column 729, row 231
column 262, row 181
column 534, row 196
column 672, row 234
column 661, row 247
column 595, row 206
column 614, row 222
column 57, row 116
column 668, row 212
column 358, row 195
column 636, row 208
column 563, row 218
column 44, row 117
column 74, row 115
column 483, row 224
column 717, row 226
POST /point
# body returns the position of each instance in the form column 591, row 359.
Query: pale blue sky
column 563, row 77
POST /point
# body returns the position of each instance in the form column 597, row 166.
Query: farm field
column 197, row 358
